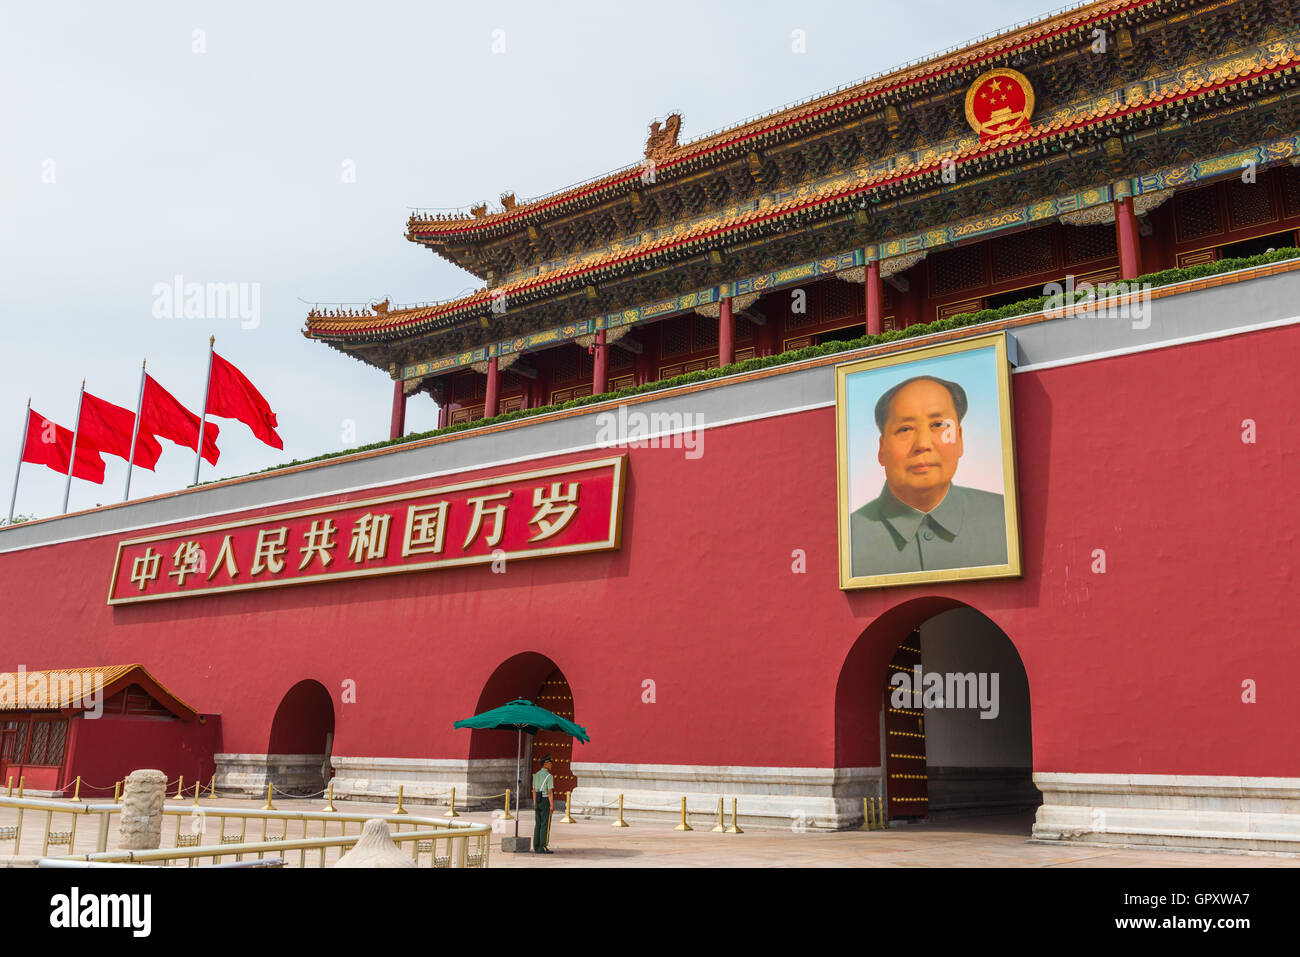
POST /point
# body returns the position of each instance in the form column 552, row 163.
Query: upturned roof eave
column 494, row 225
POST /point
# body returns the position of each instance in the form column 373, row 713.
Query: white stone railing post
column 142, row 811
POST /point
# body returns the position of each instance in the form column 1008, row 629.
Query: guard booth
column 99, row 723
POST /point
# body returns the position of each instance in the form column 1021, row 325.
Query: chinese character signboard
column 557, row 511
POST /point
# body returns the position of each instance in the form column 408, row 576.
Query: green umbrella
column 524, row 717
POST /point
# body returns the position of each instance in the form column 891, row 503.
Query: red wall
column 105, row 750
column 1138, row 670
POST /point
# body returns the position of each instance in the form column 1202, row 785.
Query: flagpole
column 72, row 458
column 22, row 448
column 203, row 419
column 135, row 433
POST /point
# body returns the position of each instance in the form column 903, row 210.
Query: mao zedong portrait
column 922, row 520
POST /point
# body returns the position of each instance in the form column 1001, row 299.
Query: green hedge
column 1025, row 307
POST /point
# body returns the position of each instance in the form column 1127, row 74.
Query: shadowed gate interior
column 963, row 745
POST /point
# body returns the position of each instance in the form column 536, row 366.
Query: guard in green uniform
column 543, row 785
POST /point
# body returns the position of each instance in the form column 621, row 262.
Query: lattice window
column 1197, row 213
column 796, row 319
column 674, row 338
column 619, row 358
column 956, row 269
column 1249, row 204
column 1291, row 189
column 471, row 386
column 842, row 299
column 1086, row 243
column 1022, row 254
column 564, row 364
column 14, row 741
column 40, row 737
column 706, row 333
column 744, row 329
column 57, row 737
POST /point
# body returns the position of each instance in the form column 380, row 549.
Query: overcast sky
column 213, row 141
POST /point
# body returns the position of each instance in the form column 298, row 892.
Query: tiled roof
column 65, row 687
column 358, row 323
column 448, row 226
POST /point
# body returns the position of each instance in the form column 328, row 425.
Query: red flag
column 232, row 396
column 162, row 415
column 108, row 427
column 51, row 445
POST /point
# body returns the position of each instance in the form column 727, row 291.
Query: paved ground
column 978, row 842
column 981, row 842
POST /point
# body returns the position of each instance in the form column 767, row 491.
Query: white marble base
column 478, row 783
column 812, row 798
column 1203, row 811
column 250, row 773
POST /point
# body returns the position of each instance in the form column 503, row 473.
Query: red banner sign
column 558, row 511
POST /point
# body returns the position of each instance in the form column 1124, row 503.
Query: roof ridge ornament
column 663, row 137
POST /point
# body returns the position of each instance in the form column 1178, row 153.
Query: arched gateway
column 935, row 696
column 492, row 754
column 302, row 738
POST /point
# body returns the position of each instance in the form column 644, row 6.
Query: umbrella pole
column 519, row 745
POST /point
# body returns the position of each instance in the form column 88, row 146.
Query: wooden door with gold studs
column 906, row 783
column 555, row 696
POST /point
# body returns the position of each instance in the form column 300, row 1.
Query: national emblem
column 999, row 102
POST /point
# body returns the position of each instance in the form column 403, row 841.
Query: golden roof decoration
column 663, row 139
column 344, row 323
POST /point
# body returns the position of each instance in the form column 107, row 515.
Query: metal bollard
column 269, row 805
column 568, row 818
column 451, row 811
column 329, row 798
column 509, row 816
column 683, row 826
column 620, row 822
column 400, row 796
column 735, row 828
column 719, row 828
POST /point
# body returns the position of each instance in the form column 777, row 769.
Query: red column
column 490, row 403
column 1126, row 228
column 397, row 425
column 875, row 299
column 600, row 381
column 726, row 334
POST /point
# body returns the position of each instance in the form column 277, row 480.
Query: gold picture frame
column 1000, row 354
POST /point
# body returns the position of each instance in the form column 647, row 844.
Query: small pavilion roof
column 57, row 689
